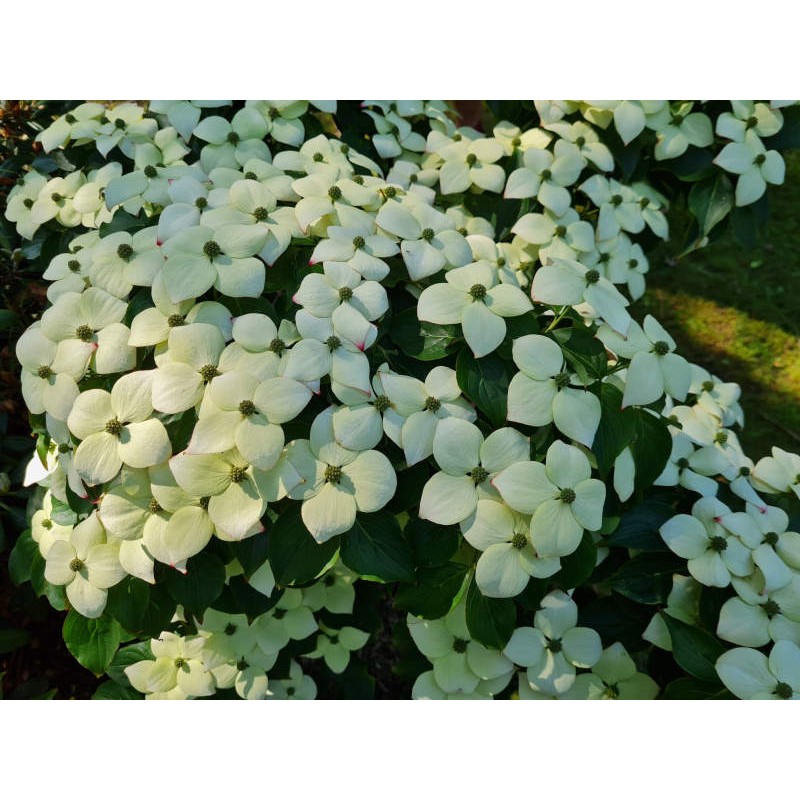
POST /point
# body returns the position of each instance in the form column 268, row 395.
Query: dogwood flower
column 755, row 166
column 20, row 202
column 541, row 393
column 79, row 125
column 231, row 144
column 360, row 248
column 290, row 619
column 473, row 297
column 336, row 482
column 777, row 473
column 560, row 494
column 471, row 163
column 468, row 465
column 553, row 236
column 747, row 115
column 751, row 675
column 45, row 531
column 297, row 686
column 334, row 646
column 614, row 677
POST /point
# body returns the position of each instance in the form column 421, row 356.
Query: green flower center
column 279, row 613
column 560, row 231
column 154, row 507
column 47, row 524
column 317, row 157
column 644, row 202
column 238, row 474
column 247, row 408
column 84, row 333
column 460, row 645
column 260, row 214
column 580, row 141
column 611, row 692
column 516, row 141
column 477, row 291
column 561, row 380
column 771, row 608
column 334, row 193
column 345, row 294
column 432, row 404
column 554, row 645
column 519, row 540
column 760, row 159
column 119, row 124
column 334, row 639
column 456, row 137
column 501, row 262
column 230, row 629
column 201, row 203
column 771, row 538
column 208, row 372
column 389, row 192
column 428, row 234
column 413, row 178
column 661, row 348
column 721, row 437
column 708, row 386
column 64, row 448
column 784, row 691
column 179, row 662
column 462, row 231
column 592, row 276
column 718, row 544
column 125, row 252
column 333, row 342
column 751, row 122
column 250, row 176
column 616, row 200
column 478, row 475
column 633, row 263
column 74, row 265
column 333, row 474
column 76, row 565
column 329, row 580
column 471, row 159
column 344, row 149
column 546, row 174
column 604, row 258
column 567, row 496
column 242, row 665
column 277, row 346
column 744, row 471
column 175, row 320
column 233, row 137
column 204, row 503
column 273, row 112
column 382, row 403
column 27, row 202
column 290, row 691
column 150, row 171
column 68, row 118
column 44, row 372
column 212, row 249
column 56, row 197
column 358, row 242
column 682, row 463
column 114, row 427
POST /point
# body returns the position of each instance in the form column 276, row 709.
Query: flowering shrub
column 310, row 366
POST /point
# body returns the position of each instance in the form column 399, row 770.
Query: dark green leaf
column 294, row 555
column 616, row 429
column 249, row 601
column 130, row 654
column 20, row 559
column 200, row 586
column 651, row 448
column 431, row 545
column 93, row 642
column 251, row 552
column 695, row 651
column 434, row 591
column 375, row 548
column 693, row 689
column 490, row 620
column 616, row 620
column 8, row 319
column 485, row 381
column 583, row 352
column 694, row 165
column 113, row 691
column 788, row 137
column 749, row 222
column 530, row 598
column 13, row 639
column 139, row 607
column 123, row 221
column 647, row 577
column 711, row 200
column 578, row 566
column 56, row 595
column 424, row 341
column 638, row 528
column 409, row 488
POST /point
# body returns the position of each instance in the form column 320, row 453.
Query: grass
column 736, row 312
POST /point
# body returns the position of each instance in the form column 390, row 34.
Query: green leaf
column 638, row 528
column 113, row 691
column 20, row 559
column 62, row 513
column 434, row 592
column 431, row 545
column 123, row 221
column 711, row 200
column 616, row 619
column 139, row 607
column 56, row 595
column 583, row 352
column 695, row 651
column 647, row 577
column 694, row 165
column 749, row 222
column 788, row 137
column 410, row 482
column 616, row 430
column 490, row 620
column 12, row 639
column 579, row 565
column 130, row 654
column 375, row 548
column 424, row 341
column 251, row 552
column 693, row 689
column 200, row 586
column 249, row 601
column 651, row 448
column 485, row 381
column 93, row 642
column 294, row 555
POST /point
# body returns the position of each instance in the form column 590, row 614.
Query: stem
column 557, row 319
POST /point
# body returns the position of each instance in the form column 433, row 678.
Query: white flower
column 231, row 144
column 290, row 619
column 750, row 675
column 560, row 494
column 683, row 603
column 755, row 166
column 678, row 128
column 747, row 115
column 360, row 248
column 471, row 163
column 473, row 297
column 614, row 677
column 297, row 686
column 779, row 472
column 335, row 646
